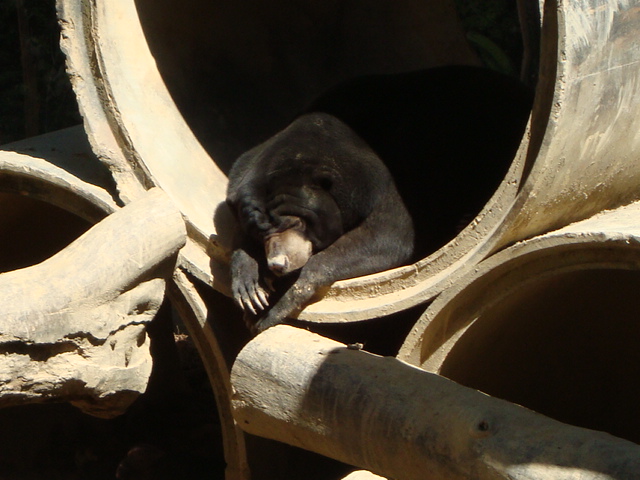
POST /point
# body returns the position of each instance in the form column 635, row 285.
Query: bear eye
column 324, row 182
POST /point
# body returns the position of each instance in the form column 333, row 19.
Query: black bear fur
column 320, row 171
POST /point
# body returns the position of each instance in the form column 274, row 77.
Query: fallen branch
column 397, row 420
column 73, row 326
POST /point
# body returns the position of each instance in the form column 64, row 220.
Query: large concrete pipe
column 579, row 156
column 550, row 323
column 175, row 113
column 156, row 82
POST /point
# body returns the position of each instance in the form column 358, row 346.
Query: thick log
column 362, row 475
column 73, row 326
column 403, row 422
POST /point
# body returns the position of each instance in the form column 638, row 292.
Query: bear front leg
column 291, row 303
column 246, row 286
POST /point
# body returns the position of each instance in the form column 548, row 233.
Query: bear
column 447, row 134
column 314, row 205
column 441, row 139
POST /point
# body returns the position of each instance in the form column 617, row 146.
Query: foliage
column 493, row 29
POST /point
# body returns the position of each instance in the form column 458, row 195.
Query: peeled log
column 73, row 326
column 397, row 420
column 362, row 475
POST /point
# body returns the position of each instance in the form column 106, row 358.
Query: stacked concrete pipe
column 578, row 157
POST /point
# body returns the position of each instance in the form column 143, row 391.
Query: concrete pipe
column 578, row 156
column 549, row 323
column 171, row 95
column 48, row 201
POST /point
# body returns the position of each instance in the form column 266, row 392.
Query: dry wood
column 399, row 421
column 73, row 326
column 362, row 475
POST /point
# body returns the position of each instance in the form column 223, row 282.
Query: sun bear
column 332, row 196
column 316, row 204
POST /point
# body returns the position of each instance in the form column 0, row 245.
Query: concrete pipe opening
column 33, row 230
column 566, row 345
column 549, row 323
column 171, row 94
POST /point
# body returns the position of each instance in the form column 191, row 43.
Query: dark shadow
column 171, row 431
column 240, row 72
column 448, row 135
column 32, row 231
column 382, row 336
column 565, row 346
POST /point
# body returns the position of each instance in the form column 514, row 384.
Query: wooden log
column 73, row 326
column 362, row 475
column 399, row 421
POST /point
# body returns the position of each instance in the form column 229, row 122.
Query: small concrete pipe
column 550, row 323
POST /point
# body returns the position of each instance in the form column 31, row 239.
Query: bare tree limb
column 73, row 326
column 405, row 423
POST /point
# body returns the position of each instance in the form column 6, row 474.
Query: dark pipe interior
column 565, row 346
column 448, row 135
column 32, row 231
column 241, row 71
